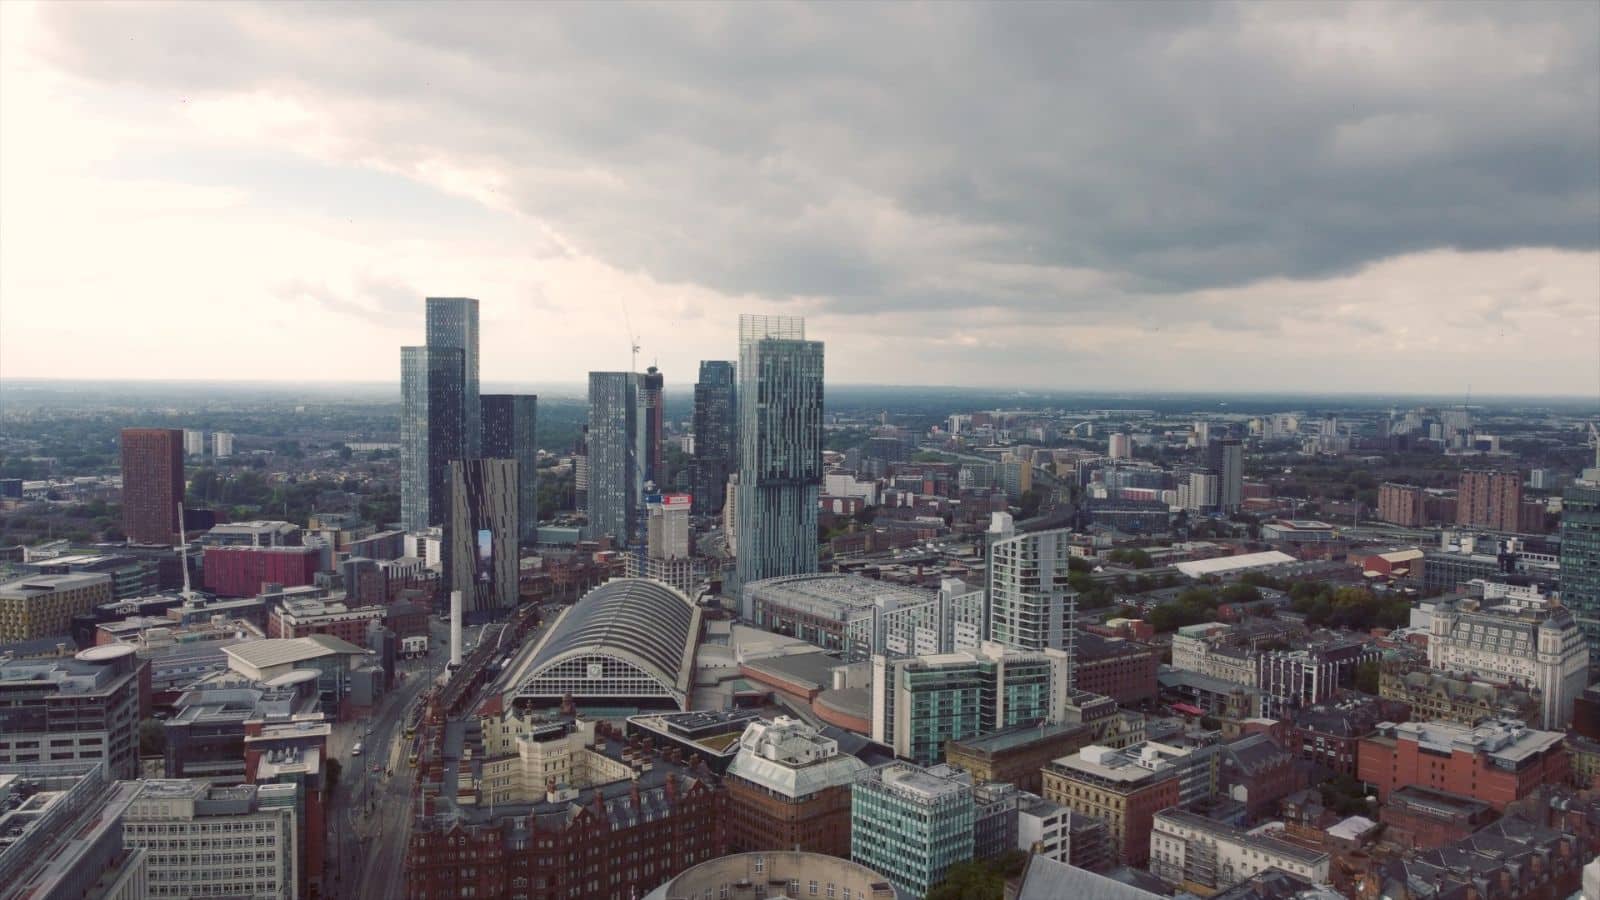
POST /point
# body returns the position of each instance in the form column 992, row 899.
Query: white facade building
column 194, row 442
column 1536, row 648
column 1189, row 849
column 222, row 444
column 200, row 840
column 1031, row 605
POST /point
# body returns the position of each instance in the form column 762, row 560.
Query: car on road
column 376, row 768
column 356, row 750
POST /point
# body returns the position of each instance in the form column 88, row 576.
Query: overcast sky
column 1269, row 196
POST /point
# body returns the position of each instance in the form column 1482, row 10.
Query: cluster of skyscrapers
column 757, row 427
column 468, row 462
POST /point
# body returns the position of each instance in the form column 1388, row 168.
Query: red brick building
column 1122, row 670
column 1496, row 762
column 1420, row 818
column 1402, row 504
column 1330, row 734
column 152, row 484
column 1258, row 772
column 241, row 571
column 1489, row 499
column 618, row 841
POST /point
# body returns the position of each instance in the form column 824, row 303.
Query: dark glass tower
column 716, row 435
column 510, row 431
column 616, row 454
column 432, row 432
column 453, row 324
column 654, row 464
column 1580, row 561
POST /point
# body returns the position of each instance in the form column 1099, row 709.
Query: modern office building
column 452, row 324
column 790, row 787
column 44, row 605
column 616, row 454
column 780, row 447
column 1489, row 499
column 85, row 707
column 860, row 616
column 432, row 432
column 244, row 571
column 483, row 532
column 1226, row 458
column 912, row 824
column 651, row 385
column 1124, row 788
column 921, row 703
column 667, row 525
column 205, row 735
column 1580, row 561
column 152, row 485
column 202, row 840
column 716, row 435
column 1540, row 648
column 1031, row 605
column 61, row 834
column 511, row 431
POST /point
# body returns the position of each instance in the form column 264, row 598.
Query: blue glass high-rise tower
column 432, row 432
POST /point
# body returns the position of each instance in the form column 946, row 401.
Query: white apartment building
column 201, row 840
column 1031, row 605
column 1190, row 850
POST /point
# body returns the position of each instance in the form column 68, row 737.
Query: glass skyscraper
column 453, row 324
column 616, row 454
column 432, row 432
column 716, row 430
column 510, row 431
column 780, row 447
column 1580, row 561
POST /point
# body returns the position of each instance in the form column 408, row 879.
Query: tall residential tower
column 780, row 447
column 616, row 454
column 152, row 484
column 453, row 324
column 432, row 432
column 716, row 435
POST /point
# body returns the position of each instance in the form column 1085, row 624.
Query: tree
column 1367, row 677
column 152, row 738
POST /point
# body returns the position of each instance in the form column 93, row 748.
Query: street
column 368, row 820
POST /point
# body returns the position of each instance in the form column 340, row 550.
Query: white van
column 356, row 750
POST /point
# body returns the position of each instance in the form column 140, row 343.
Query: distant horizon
column 326, row 385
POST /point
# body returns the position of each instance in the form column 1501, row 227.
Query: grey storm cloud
column 891, row 157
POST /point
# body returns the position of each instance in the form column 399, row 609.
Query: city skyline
column 1025, row 253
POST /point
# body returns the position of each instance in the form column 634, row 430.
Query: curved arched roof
column 635, row 617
